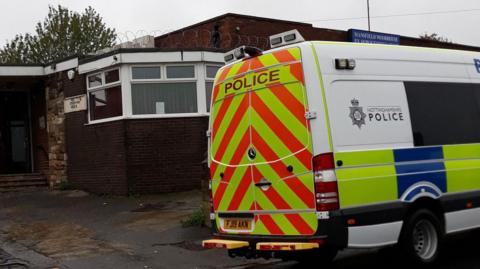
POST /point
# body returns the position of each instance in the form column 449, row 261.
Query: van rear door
column 261, row 151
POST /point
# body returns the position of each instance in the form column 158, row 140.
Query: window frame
column 195, row 73
column 206, row 68
column 164, row 80
column 104, row 86
column 126, row 81
column 130, row 70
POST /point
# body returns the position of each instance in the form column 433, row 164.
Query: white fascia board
column 21, row 71
column 61, row 66
column 216, row 57
column 100, row 64
column 151, row 57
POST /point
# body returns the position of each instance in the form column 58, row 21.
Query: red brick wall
column 166, row 155
column 253, row 31
column 235, row 31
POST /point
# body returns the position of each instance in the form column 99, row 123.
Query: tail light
column 326, row 188
column 212, row 210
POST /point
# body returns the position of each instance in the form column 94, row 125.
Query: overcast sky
column 156, row 17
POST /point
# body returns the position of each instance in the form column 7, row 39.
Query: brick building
column 129, row 120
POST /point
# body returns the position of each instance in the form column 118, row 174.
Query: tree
column 62, row 33
column 435, row 37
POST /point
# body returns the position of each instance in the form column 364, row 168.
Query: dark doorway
column 14, row 133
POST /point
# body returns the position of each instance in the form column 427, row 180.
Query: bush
column 65, row 186
column 196, row 219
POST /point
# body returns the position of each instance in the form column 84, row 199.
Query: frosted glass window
column 146, row 72
column 181, row 71
column 159, row 98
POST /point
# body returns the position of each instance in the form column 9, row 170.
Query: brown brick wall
column 165, row 155
column 134, row 156
column 96, row 155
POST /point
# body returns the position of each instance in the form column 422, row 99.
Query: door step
column 21, row 182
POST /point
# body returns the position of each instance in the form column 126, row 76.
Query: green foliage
column 435, row 37
column 196, row 219
column 62, row 33
column 66, row 186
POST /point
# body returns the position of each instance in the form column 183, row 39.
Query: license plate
column 237, row 224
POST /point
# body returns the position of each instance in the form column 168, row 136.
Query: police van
column 319, row 146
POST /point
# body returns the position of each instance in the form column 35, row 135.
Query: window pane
column 95, row 80
column 147, row 72
column 208, row 93
column 106, row 103
column 180, row 71
column 161, row 98
column 212, row 71
column 112, row 76
column 443, row 113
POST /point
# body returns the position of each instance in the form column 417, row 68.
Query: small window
column 208, row 93
column 181, row 71
column 444, row 113
column 112, row 76
column 146, row 72
column 105, row 103
column 212, row 71
column 95, row 80
column 164, row 98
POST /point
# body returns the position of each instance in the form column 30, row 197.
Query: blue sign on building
column 477, row 64
column 360, row 36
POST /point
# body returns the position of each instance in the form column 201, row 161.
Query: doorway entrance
column 15, row 154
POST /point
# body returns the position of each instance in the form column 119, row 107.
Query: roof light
column 239, row 53
column 242, row 52
column 229, row 57
column 290, row 37
column 276, row 41
column 285, row 38
column 341, row 64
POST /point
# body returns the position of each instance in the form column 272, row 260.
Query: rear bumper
column 331, row 232
column 261, row 246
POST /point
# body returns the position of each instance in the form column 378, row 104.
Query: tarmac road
column 460, row 252
column 74, row 230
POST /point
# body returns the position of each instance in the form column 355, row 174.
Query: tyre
column 421, row 238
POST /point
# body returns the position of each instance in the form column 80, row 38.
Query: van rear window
column 444, row 113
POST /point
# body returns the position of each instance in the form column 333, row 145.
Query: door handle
column 263, row 183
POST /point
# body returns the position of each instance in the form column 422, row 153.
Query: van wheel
column 421, row 237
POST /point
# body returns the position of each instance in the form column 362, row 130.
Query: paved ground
column 75, row 230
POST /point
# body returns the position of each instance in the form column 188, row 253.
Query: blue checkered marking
column 409, row 174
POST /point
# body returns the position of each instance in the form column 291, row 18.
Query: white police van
column 320, row 146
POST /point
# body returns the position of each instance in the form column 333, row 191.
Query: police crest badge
column 356, row 113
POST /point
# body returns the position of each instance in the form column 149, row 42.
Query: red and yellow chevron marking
column 261, row 103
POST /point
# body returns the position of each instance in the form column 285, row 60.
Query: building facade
column 129, row 120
